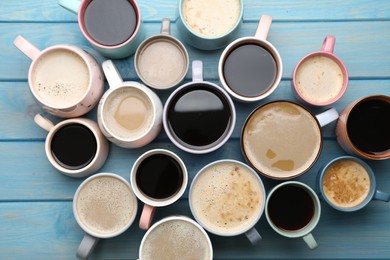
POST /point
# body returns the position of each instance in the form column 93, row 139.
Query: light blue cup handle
column 70, row 5
column 381, row 195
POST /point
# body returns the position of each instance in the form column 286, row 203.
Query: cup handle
column 26, row 47
column 253, row 236
column 310, row 241
column 112, row 74
column 166, row 26
column 381, row 195
column 86, row 246
column 327, row 117
column 146, row 217
column 263, row 27
column 197, row 70
column 70, row 5
column 43, row 122
column 328, row 44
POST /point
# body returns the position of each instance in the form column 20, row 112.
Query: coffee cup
column 209, row 25
column 64, row 79
column 104, row 206
column 161, row 61
column 159, row 178
column 176, row 238
column 320, row 78
column 282, row 139
column 250, row 68
column 363, row 128
column 293, row 210
column 199, row 116
column 114, row 28
column 129, row 113
column 348, row 184
column 227, row 198
column 75, row 147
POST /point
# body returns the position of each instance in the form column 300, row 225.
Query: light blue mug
column 348, row 184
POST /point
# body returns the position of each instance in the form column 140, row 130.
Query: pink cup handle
column 26, row 47
column 328, row 44
column 146, row 217
column 263, row 27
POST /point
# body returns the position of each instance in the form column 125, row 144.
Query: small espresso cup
column 199, row 116
column 129, row 113
column 159, row 178
column 293, row 210
column 161, row 61
column 282, row 139
column 348, row 184
column 363, row 128
column 250, row 68
column 227, row 198
column 104, row 206
column 320, row 78
column 75, row 147
column 209, row 25
column 176, row 238
column 114, row 28
column 64, row 79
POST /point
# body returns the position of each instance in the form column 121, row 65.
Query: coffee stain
column 270, row 154
column 284, row 165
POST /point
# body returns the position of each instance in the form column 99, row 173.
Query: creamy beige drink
column 211, row 18
column 346, row 183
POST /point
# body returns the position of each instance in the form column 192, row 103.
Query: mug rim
column 253, row 172
column 131, row 192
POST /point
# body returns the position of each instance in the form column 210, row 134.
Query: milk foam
column 227, row 198
column 105, row 205
column 211, row 18
column 60, row 78
column 175, row 239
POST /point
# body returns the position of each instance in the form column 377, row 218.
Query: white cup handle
column 112, row 74
column 86, row 247
column 43, row 122
column 253, row 236
column 327, row 117
column 263, row 27
column 197, row 70
column 310, row 241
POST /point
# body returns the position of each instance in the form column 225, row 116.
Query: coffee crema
column 227, row 197
column 105, row 205
column 211, row 18
column 346, row 183
column 319, row 79
column 60, row 78
column 175, row 239
column 281, row 139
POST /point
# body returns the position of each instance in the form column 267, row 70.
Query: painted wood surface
column 36, row 219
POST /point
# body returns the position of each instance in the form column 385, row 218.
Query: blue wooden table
column 36, row 219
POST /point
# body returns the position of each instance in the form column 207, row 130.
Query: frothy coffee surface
column 105, row 205
column 281, row 139
column 346, row 183
column 127, row 113
column 60, row 78
column 319, row 79
column 211, row 18
column 227, row 197
column 175, row 239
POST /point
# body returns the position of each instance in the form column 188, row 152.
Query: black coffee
column 291, row 207
column 199, row 115
column 250, row 70
column 159, row 176
column 368, row 126
column 110, row 22
column 73, row 146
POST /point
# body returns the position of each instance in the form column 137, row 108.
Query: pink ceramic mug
column 320, row 78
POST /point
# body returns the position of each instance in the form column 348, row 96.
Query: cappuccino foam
column 176, row 239
column 105, row 205
column 346, row 183
column 211, row 18
column 319, row 79
column 227, row 198
column 60, row 78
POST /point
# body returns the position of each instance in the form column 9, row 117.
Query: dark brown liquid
column 250, row 70
column 73, row 146
column 368, row 126
column 291, row 207
column 159, row 176
column 110, row 22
